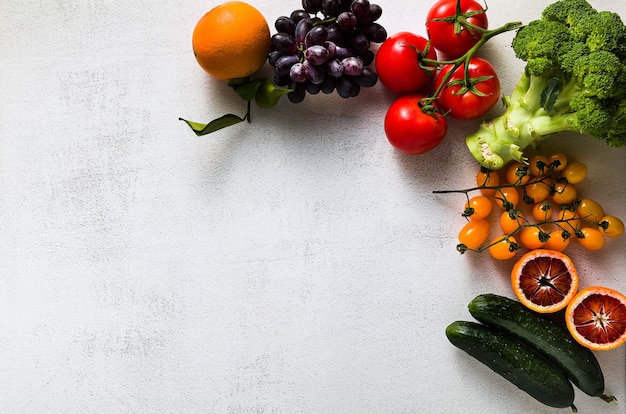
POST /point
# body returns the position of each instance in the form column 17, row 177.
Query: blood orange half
column 596, row 318
column 545, row 281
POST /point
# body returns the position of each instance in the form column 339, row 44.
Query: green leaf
column 268, row 94
column 233, row 83
column 215, row 125
column 550, row 94
column 247, row 91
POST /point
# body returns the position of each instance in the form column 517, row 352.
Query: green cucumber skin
column 513, row 361
column 545, row 336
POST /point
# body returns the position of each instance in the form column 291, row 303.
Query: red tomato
column 442, row 33
column 462, row 102
column 398, row 65
column 411, row 130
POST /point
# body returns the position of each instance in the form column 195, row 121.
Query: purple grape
column 374, row 14
column 316, row 36
column 360, row 8
column 342, row 52
column 302, row 28
column 284, row 43
column 357, row 42
column 367, row 79
column 334, row 68
column 332, row 48
column 316, row 54
column 328, row 84
column 281, row 80
column 335, row 34
column 345, row 4
column 313, row 88
column 284, row 63
column 314, row 72
column 298, row 15
column 312, row 6
column 273, row 57
column 347, row 87
column 352, row 66
column 346, row 21
column 298, row 73
column 298, row 92
column 332, row 7
column 367, row 57
column 285, row 25
column 374, row 32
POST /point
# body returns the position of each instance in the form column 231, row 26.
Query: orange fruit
column 596, row 318
column 231, row 41
column 545, row 281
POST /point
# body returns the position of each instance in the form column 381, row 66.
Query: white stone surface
column 297, row 264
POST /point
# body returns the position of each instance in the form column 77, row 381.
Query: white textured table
column 297, row 264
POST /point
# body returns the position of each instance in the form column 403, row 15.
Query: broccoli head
column 574, row 80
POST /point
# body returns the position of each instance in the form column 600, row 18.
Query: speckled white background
column 297, row 264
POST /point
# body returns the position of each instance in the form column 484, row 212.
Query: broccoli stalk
column 574, row 80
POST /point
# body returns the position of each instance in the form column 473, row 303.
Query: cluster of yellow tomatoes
column 536, row 206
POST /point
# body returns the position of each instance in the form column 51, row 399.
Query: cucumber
column 546, row 337
column 514, row 361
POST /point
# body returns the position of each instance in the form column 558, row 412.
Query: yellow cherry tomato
column 542, row 211
column 507, row 197
column 478, row 207
column 575, row 172
column 537, row 191
column 503, row 248
column 612, row 226
column 558, row 161
column 564, row 193
column 570, row 220
column 557, row 241
column 509, row 224
column 592, row 238
column 590, row 210
column 538, row 165
column 487, row 178
column 531, row 237
column 517, row 174
column 474, row 233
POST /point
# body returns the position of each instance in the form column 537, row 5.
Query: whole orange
column 231, row 41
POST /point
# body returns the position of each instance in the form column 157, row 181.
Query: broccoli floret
column 574, row 80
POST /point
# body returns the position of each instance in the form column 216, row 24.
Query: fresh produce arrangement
column 533, row 205
column 524, row 207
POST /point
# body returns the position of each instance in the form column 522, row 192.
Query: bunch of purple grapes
column 312, row 53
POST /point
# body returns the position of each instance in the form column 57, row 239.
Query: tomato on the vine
column 398, row 63
column 503, row 248
column 474, row 233
column 471, row 98
column 448, row 36
column 592, row 238
column 412, row 129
